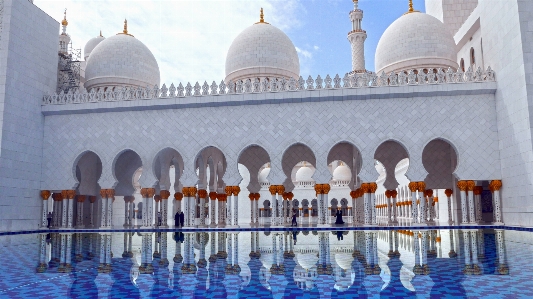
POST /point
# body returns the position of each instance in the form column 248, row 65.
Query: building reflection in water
column 393, row 263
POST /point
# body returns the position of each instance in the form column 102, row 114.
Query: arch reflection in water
column 259, row 264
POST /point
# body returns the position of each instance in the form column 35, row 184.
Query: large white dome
column 262, row 50
column 415, row 40
column 121, row 60
column 90, row 45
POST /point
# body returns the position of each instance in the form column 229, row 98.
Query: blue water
column 323, row 264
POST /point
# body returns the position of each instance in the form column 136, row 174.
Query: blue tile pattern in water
column 441, row 263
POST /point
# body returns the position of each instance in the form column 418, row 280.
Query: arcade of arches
column 391, row 199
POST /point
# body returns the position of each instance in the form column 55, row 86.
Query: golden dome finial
column 411, row 8
column 65, row 22
column 125, row 31
column 261, row 18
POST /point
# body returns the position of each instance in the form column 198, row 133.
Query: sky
column 190, row 38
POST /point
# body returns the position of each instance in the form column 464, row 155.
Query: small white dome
column 262, row 50
column 262, row 177
column 304, row 174
column 121, row 60
column 415, row 40
column 90, row 45
column 342, row 173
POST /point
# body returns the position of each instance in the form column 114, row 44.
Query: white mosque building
column 440, row 132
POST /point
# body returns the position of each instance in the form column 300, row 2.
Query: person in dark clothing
column 294, row 233
column 182, row 219
column 340, row 236
column 339, row 217
column 294, row 223
column 177, row 220
column 49, row 218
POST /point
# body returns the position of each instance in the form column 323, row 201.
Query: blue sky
column 190, row 38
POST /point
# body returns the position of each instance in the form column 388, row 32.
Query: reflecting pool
column 265, row 264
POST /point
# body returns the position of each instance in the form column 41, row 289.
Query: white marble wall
column 28, row 66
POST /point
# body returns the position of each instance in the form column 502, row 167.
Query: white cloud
column 189, row 38
column 304, row 53
column 316, row 48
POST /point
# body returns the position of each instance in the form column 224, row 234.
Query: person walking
column 294, row 223
column 49, row 218
column 177, row 219
column 182, row 219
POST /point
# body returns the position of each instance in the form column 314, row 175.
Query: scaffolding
column 68, row 75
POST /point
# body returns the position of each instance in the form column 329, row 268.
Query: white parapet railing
column 426, row 76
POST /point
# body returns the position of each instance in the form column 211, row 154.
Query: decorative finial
column 411, row 9
column 355, row 4
column 261, row 18
column 65, row 22
column 125, row 31
column 101, row 33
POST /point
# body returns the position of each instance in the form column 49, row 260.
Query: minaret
column 357, row 39
column 64, row 39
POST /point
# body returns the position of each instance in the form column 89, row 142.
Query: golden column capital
column 228, row 190
column 280, row 189
column 387, row 193
column 272, row 189
column 393, row 193
column 71, row 194
column 495, row 185
column 372, row 187
column 448, row 192
column 290, row 195
column 462, row 185
column 157, row 198
column 326, row 188
column 165, row 194
column 213, row 195
column 470, row 185
column 413, row 186
column 202, row 193
column 222, row 197
column 235, row 190
column 178, row 196
column 103, row 193
column 186, row 192
column 192, row 191
column 110, row 192
column 365, row 188
column 45, row 194
column 284, row 195
column 421, row 186
column 251, row 196
column 353, row 194
column 319, row 189
column 64, row 194
column 80, row 198
column 478, row 190
column 429, row 192
column 92, row 199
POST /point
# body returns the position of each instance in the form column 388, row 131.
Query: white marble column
column 422, row 198
column 164, row 257
column 109, row 210
column 235, row 192
column 389, row 206
column 157, row 210
column 373, row 187
column 42, row 250
column 192, row 206
column 495, row 187
column 449, row 193
column 502, row 269
column 394, row 194
column 468, row 261
column 353, row 195
column 103, row 195
column 126, row 211
column 280, row 205
column 202, row 194
column 165, row 194
column 64, row 208
column 45, row 195
column 273, row 205
column 366, row 199
column 464, row 212
column 471, row 208
column 79, row 212
column 251, row 196
column 229, row 210
column 430, row 205
column 413, row 187
column 212, row 208
column 477, row 202
column 92, row 200
column 70, row 212
column 68, row 252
